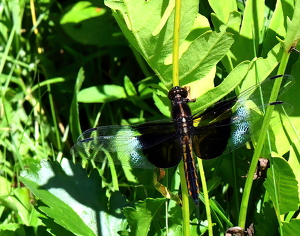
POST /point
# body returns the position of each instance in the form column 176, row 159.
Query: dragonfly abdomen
column 181, row 112
column 190, row 169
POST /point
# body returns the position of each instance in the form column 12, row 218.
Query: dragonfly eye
column 177, row 90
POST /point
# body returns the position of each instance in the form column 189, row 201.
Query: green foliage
column 140, row 218
column 84, row 22
column 101, row 93
column 76, row 202
column 285, row 192
column 95, row 63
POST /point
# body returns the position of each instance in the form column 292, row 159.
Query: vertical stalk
column 206, row 197
column 185, row 202
column 260, row 142
column 176, row 38
column 175, row 77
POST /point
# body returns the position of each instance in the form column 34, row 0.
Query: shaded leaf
column 90, row 24
column 267, row 223
column 12, row 229
column 74, row 201
column 140, row 219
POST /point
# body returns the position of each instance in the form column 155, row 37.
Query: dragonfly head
column 177, row 91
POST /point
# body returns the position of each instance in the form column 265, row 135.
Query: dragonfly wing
column 231, row 123
column 165, row 150
column 165, row 154
column 241, row 123
column 125, row 145
column 247, row 122
column 259, row 93
column 213, row 130
column 114, row 144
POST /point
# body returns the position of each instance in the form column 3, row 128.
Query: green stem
column 176, row 43
column 53, row 112
column 185, row 201
column 260, row 143
column 206, row 197
column 185, row 195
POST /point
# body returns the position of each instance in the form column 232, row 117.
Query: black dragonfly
column 218, row 130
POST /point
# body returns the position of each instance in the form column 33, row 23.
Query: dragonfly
column 218, row 130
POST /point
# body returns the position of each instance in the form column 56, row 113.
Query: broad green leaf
column 282, row 186
column 54, row 227
column 290, row 125
column 196, row 61
column 226, row 12
column 140, row 219
column 267, row 222
column 293, row 29
column 277, row 24
column 217, row 93
column 292, row 227
column 148, row 26
column 294, row 161
column 89, row 24
column 5, row 186
column 194, row 65
column 129, row 87
column 261, row 68
column 12, row 229
column 252, row 24
column 101, row 94
column 232, row 22
column 175, row 222
column 247, row 41
column 163, row 104
column 176, row 230
column 201, row 25
column 213, row 47
column 73, row 200
column 223, row 9
column 23, row 202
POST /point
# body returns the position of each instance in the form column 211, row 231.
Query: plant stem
column 206, row 197
column 185, row 201
column 260, row 143
column 185, row 195
column 176, row 43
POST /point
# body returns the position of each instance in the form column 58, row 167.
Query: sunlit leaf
column 292, row 227
column 284, row 193
column 101, row 93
